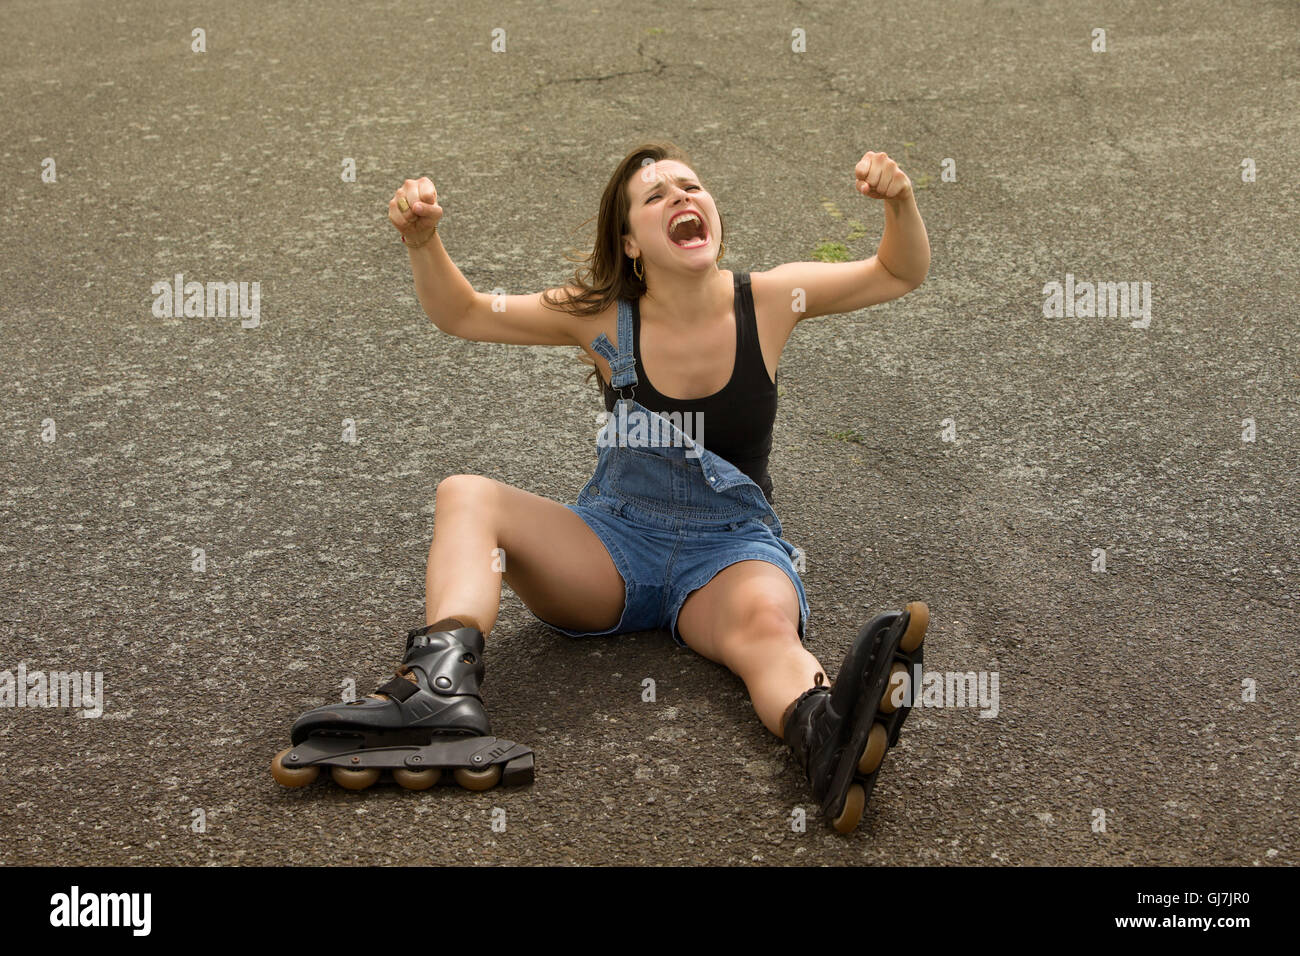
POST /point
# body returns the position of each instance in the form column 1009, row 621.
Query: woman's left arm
column 809, row 289
column 904, row 248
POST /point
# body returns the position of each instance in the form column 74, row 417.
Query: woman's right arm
column 448, row 298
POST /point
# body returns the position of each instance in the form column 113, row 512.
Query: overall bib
column 671, row 513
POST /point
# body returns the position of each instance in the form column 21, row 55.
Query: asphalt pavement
column 1102, row 516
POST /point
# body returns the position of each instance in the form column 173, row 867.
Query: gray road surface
column 1124, row 694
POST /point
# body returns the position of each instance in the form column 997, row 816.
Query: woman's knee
column 456, row 492
column 763, row 624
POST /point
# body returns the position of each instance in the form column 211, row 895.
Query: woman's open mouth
column 687, row 230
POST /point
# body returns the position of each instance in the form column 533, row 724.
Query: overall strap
column 622, row 364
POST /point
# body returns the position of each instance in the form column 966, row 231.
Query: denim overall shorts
column 671, row 513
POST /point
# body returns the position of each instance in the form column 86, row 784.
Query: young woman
column 675, row 529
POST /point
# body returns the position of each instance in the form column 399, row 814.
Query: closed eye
column 656, row 195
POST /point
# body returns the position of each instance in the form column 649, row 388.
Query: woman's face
column 657, row 193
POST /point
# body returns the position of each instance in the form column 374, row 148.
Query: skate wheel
column 895, row 689
column 291, row 776
column 354, row 779
column 416, row 779
column 918, row 620
column 478, row 779
column 877, row 744
column 854, row 803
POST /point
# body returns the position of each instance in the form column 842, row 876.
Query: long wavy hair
column 606, row 274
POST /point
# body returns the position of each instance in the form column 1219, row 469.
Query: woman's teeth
column 691, row 223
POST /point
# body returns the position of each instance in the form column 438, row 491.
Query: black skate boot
column 423, row 727
column 839, row 734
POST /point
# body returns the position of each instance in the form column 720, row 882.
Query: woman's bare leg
column 486, row 530
column 747, row 619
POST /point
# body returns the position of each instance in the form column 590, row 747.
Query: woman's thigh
column 555, row 563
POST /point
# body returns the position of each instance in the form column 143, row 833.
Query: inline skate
column 430, row 719
column 839, row 734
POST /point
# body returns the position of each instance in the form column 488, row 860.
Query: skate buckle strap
column 399, row 688
column 413, row 637
column 469, row 637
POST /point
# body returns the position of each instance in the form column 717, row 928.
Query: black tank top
column 737, row 419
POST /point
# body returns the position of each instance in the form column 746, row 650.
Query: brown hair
column 607, row 275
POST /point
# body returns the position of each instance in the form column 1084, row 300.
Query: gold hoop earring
column 722, row 249
column 640, row 275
